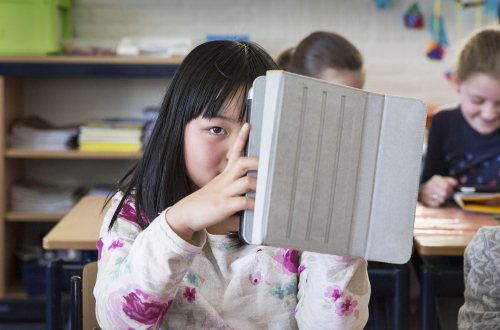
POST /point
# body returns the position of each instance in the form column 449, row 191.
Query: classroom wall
column 395, row 59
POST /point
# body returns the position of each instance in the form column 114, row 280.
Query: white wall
column 395, row 56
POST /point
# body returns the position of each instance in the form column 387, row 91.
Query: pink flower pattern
column 346, row 307
column 255, row 278
column 140, row 308
column 289, row 258
column 301, row 268
column 128, row 213
column 145, row 308
column 190, row 294
column 333, row 293
column 115, row 244
column 99, row 246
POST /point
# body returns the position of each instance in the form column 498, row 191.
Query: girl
column 327, row 56
column 464, row 142
column 165, row 259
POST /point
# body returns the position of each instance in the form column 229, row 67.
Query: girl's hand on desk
column 437, row 190
column 219, row 199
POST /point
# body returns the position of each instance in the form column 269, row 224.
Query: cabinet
column 19, row 76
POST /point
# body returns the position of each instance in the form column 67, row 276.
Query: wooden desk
column 79, row 229
column 446, row 231
column 443, row 232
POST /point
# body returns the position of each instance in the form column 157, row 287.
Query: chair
column 59, row 283
column 438, row 281
column 58, row 274
column 390, row 296
column 82, row 301
column 440, row 277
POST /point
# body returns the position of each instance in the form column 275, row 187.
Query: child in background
column 464, row 142
column 481, row 309
column 327, row 56
column 165, row 256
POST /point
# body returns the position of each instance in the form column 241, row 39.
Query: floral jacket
column 152, row 278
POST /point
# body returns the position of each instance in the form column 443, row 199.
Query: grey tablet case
column 338, row 168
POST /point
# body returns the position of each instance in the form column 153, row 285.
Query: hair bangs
column 229, row 91
column 235, row 73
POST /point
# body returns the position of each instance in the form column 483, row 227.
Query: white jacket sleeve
column 139, row 271
column 334, row 292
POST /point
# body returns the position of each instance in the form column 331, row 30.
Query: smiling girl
column 464, row 143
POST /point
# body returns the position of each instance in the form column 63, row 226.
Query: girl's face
column 207, row 142
column 480, row 102
column 349, row 78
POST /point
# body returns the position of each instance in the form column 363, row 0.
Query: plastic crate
column 34, row 27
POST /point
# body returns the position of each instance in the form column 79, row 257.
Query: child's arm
column 436, row 186
column 333, row 292
column 139, row 271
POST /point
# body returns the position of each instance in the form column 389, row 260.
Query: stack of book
column 36, row 133
column 111, row 134
column 35, row 197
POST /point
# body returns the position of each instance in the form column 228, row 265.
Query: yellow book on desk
column 110, row 146
column 479, row 202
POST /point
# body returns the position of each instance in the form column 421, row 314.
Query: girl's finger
column 242, row 186
column 242, row 166
column 236, row 150
column 241, row 203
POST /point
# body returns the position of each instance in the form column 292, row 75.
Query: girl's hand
column 220, row 198
column 437, row 190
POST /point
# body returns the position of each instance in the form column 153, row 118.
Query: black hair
column 211, row 74
column 319, row 51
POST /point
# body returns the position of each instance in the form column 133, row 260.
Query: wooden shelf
column 92, row 59
column 33, row 217
column 89, row 66
column 69, row 154
column 14, row 72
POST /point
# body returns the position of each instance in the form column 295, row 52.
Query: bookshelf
column 14, row 74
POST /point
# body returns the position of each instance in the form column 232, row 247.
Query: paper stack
column 36, row 133
column 112, row 134
column 31, row 197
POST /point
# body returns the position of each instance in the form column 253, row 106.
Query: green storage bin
column 34, row 27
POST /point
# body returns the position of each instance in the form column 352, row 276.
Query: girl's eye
column 477, row 101
column 217, row 130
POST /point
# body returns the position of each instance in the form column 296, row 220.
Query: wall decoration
column 413, row 17
column 382, row 4
column 435, row 49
